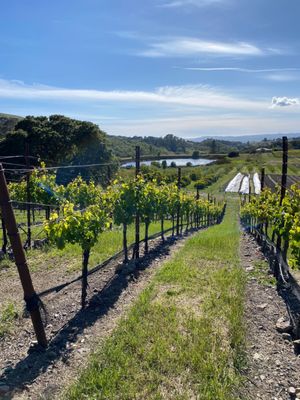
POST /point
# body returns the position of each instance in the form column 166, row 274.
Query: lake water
column 180, row 162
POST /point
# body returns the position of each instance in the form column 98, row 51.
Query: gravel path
column 273, row 371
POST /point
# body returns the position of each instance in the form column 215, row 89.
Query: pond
column 180, row 162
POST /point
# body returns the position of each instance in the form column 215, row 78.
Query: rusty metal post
column 30, row 296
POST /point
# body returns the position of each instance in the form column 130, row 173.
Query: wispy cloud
column 237, row 69
column 184, row 110
column 188, row 3
column 187, row 95
column 284, row 102
column 191, row 47
column 283, row 77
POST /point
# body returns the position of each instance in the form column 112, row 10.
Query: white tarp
column 256, row 183
column 245, row 185
column 234, row 185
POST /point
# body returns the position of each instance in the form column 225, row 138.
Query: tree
column 196, row 154
column 58, row 139
column 164, row 164
column 233, row 154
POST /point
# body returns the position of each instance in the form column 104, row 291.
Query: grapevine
column 266, row 210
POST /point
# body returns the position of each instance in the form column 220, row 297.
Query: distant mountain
column 248, row 138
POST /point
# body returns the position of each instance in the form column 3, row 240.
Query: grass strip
column 184, row 337
column 70, row 258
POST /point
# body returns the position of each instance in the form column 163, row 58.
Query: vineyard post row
column 137, row 217
column 31, row 299
column 281, row 213
column 209, row 215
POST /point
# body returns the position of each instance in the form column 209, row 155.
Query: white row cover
column 245, row 185
column 257, row 183
column 235, row 184
column 241, row 184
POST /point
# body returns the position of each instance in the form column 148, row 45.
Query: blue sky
column 187, row 67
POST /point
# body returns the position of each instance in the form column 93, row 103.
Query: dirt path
column 30, row 373
column 273, row 367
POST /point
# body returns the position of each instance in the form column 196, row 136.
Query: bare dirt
column 273, row 371
column 29, row 372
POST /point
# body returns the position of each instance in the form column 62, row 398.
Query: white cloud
column 237, row 69
column 191, row 47
column 185, row 3
column 187, row 95
column 284, row 102
column 184, row 110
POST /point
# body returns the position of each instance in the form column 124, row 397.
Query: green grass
column 70, row 258
column 184, row 337
column 8, row 314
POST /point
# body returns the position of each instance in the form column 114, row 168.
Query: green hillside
column 7, row 123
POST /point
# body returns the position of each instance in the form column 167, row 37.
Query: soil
column 273, row 366
column 30, row 372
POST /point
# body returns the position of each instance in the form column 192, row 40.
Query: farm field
column 150, row 200
column 196, row 289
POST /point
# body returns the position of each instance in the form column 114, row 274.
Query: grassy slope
column 184, row 336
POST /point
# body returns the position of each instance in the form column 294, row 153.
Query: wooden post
column 30, row 296
column 28, row 197
column 137, row 217
column 108, row 174
column 284, row 167
column 178, row 208
column 4, row 244
column 198, row 217
column 262, row 179
column 283, row 188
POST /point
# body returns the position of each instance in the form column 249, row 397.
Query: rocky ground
column 273, row 371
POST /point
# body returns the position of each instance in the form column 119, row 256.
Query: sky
column 153, row 67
